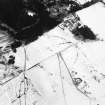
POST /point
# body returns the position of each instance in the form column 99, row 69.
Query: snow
column 51, row 73
column 94, row 17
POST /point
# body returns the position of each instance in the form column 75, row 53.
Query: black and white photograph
column 52, row 52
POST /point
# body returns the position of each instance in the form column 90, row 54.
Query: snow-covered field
column 51, row 82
